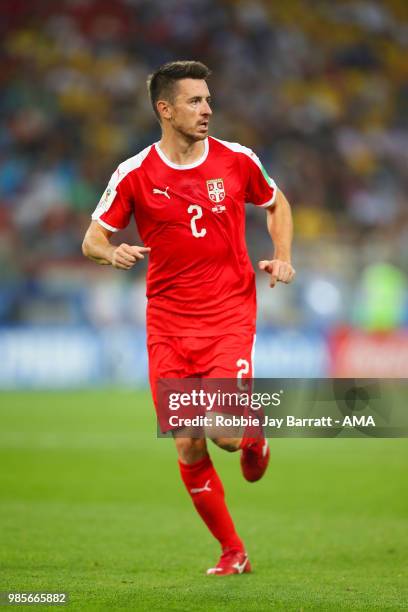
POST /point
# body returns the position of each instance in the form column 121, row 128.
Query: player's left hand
column 280, row 271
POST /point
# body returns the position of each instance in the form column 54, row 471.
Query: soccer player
column 187, row 194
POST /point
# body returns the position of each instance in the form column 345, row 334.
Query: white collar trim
column 182, row 166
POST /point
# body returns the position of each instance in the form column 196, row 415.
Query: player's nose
column 206, row 109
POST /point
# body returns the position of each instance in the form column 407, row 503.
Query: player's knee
column 229, row 444
column 190, row 450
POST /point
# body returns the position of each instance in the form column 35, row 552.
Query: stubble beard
column 190, row 137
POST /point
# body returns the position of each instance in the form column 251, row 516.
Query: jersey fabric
column 200, row 281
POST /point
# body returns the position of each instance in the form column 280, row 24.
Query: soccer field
column 92, row 504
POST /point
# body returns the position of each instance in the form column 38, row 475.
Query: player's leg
column 207, row 494
column 206, row 491
column 166, row 359
column 204, row 485
column 189, row 450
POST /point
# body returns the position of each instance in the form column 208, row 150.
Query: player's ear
column 164, row 109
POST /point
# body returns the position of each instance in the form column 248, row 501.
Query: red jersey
column 200, row 281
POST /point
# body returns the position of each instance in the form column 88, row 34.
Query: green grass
column 92, row 504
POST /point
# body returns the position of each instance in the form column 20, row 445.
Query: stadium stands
column 318, row 90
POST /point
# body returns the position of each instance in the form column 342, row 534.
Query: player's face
column 190, row 110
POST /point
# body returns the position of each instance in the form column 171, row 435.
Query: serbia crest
column 216, row 191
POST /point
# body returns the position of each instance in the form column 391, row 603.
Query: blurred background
column 318, row 89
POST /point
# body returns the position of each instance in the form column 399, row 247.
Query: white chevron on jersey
column 238, row 148
column 110, row 192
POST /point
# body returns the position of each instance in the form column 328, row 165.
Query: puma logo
column 206, row 487
column 160, row 192
column 240, row 566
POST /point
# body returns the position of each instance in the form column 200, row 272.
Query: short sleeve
column 115, row 206
column 261, row 190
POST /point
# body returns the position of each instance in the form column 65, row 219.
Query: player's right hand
column 125, row 256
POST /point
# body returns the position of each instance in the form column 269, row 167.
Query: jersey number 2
column 195, row 208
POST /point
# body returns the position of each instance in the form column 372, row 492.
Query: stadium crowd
column 317, row 89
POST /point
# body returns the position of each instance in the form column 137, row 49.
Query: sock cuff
column 203, row 463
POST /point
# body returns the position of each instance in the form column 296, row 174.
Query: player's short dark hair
column 161, row 82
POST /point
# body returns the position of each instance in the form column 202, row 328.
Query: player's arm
column 97, row 247
column 280, row 227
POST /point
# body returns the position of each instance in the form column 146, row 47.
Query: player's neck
column 181, row 151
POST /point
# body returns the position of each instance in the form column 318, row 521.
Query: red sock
column 248, row 442
column 206, row 490
column 253, row 433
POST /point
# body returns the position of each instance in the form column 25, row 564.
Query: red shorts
column 228, row 356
